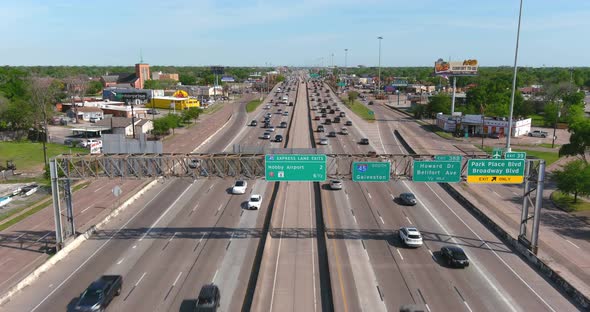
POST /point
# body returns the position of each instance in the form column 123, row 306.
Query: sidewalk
column 24, row 246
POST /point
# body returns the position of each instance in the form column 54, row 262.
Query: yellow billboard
column 460, row 68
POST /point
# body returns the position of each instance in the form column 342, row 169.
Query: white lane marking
column 354, row 219
column 139, row 280
column 380, row 217
column 430, row 251
column 500, row 294
column 97, row 251
column 392, row 197
column 5, row 261
column 496, row 193
column 134, row 246
column 468, row 307
column 171, row 238
column 380, row 139
column 200, row 240
column 165, row 212
column 176, row 280
column 427, row 307
column 493, row 251
column 98, row 189
column 409, row 221
column 274, row 282
column 315, row 302
column 83, row 210
column 195, row 208
column 120, row 261
column 42, row 237
column 50, row 285
column 515, row 193
column 220, row 207
column 369, row 194
column 214, row 276
column 213, row 135
column 567, row 240
column 399, row 253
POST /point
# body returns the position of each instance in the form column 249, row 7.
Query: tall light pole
column 379, row 85
column 345, row 59
column 508, row 148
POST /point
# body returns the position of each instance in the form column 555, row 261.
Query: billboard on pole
column 456, row 68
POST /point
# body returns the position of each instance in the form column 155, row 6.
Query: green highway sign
column 448, row 157
column 495, row 171
column 515, row 155
column 497, row 153
column 295, row 167
column 437, row 171
column 341, row 84
column 371, row 171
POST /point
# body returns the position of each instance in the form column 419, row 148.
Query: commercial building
column 163, row 76
column 180, row 100
column 474, row 125
column 88, row 112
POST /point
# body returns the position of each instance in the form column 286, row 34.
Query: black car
column 336, row 119
column 407, row 199
column 152, row 111
column 332, row 134
column 324, row 115
column 370, row 102
column 278, row 138
column 454, row 256
column 328, row 121
column 100, row 293
column 208, row 299
column 283, row 124
column 348, row 123
column 364, row 141
column 253, row 123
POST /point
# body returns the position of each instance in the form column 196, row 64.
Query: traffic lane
column 55, row 288
column 23, row 244
column 237, row 122
column 288, row 278
column 489, row 268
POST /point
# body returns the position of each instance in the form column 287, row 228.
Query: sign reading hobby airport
column 295, row 167
column 495, row 171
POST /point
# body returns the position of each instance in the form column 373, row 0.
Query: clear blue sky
column 280, row 32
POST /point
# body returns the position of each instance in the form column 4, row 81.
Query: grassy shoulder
column 549, row 157
column 566, row 202
column 28, row 156
column 252, row 105
column 360, row 109
column 435, row 129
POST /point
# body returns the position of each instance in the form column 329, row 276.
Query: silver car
column 336, row 184
column 323, row 141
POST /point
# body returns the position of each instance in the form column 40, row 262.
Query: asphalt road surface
column 184, row 234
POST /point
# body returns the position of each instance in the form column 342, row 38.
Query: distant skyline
column 292, row 33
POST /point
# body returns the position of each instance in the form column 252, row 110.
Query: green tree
column 161, row 126
column 440, row 103
column 550, row 116
column 574, row 179
column 188, row 79
column 419, row 111
column 352, row 96
column 152, row 84
column 94, row 87
column 191, row 113
column 579, row 144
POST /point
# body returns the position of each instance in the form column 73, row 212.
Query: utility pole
column 508, row 148
column 379, row 84
column 345, row 60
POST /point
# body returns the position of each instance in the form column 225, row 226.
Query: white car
column 323, row 141
column 270, row 129
column 239, row 187
column 266, row 136
column 410, row 236
column 254, row 202
column 336, row 184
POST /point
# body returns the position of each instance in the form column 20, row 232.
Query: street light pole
column 508, row 148
column 379, row 84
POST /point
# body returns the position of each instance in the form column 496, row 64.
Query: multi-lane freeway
column 323, row 249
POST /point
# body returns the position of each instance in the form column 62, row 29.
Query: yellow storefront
column 178, row 101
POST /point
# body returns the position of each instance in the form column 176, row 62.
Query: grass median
column 360, row 109
column 566, row 202
column 252, row 105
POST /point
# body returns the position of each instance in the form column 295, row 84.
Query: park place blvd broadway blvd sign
column 295, row 167
column 495, row 171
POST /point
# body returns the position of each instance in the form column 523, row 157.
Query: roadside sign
column 495, row 171
column 295, row 167
column 375, row 171
column 341, row 84
column 497, row 153
column 436, row 171
column 515, row 155
column 448, row 157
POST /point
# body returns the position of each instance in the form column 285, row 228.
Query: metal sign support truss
column 534, row 180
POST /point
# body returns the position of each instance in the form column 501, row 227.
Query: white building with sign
column 474, row 125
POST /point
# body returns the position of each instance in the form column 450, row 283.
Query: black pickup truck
column 100, row 293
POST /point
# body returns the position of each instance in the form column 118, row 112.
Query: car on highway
column 364, row 141
column 348, row 123
column 344, row 131
column 193, row 163
column 370, row 102
column 324, row 115
column 285, row 113
column 283, row 124
column 317, row 117
column 454, row 256
column 320, row 128
column 323, row 141
column 278, row 138
column 337, row 108
column 209, row 298
column 253, row 123
column 266, row 136
column 322, row 110
column 332, row 111
column 328, row 121
column 290, row 103
column 407, row 199
column 410, row 236
column 332, row 134
column 336, row 119
column 100, row 293
column 268, row 115
column 335, row 184
column 266, row 106
column 342, row 114
column 270, row 128
column 312, row 99
column 254, row 201
column 239, row 187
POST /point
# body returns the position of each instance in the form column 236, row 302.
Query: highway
column 183, row 234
